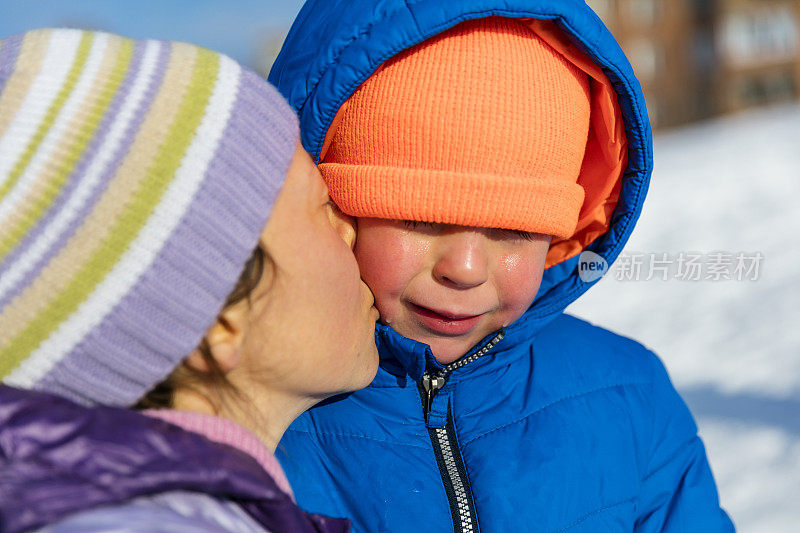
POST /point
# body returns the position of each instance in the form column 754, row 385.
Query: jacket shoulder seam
column 678, row 451
column 554, row 402
column 595, row 512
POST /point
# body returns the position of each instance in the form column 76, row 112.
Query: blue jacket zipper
column 445, row 445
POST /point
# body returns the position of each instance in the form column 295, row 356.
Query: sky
column 237, row 28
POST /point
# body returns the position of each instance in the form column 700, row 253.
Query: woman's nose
column 462, row 260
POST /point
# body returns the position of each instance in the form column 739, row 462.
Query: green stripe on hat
column 77, row 66
column 74, row 151
column 130, row 221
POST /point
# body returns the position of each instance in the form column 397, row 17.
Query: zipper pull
column 431, row 384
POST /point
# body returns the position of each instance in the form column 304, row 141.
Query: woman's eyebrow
column 324, row 188
column 324, row 192
column 322, row 195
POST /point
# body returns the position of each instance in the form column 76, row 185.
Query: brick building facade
column 700, row 58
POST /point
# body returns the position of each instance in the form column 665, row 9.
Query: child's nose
column 462, row 262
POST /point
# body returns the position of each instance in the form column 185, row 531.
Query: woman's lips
column 445, row 323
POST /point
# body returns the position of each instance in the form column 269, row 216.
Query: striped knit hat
column 135, row 180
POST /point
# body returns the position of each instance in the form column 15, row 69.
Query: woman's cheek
column 345, row 275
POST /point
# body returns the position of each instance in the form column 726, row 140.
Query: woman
column 165, row 242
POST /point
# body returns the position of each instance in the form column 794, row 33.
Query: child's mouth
column 443, row 322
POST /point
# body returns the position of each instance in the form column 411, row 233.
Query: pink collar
column 227, row 432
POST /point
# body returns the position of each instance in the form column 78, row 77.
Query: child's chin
column 448, row 352
column 445, row 349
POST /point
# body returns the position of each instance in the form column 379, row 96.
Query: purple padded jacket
column 64, row 467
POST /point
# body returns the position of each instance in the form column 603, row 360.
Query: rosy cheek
column 517, row 282
column 375, row 264
column 389, row 263
column 377, row 260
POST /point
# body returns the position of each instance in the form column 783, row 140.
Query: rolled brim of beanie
column 543, row 206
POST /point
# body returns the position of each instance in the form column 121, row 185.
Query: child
column 480, row 162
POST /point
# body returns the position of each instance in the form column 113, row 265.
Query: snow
column 732, row 346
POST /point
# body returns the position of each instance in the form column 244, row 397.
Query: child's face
column 449, row 286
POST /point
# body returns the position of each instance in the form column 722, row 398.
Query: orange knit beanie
column 482, row 125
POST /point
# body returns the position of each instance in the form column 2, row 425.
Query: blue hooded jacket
column 555, row 424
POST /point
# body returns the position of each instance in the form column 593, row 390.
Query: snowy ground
column 732, row 346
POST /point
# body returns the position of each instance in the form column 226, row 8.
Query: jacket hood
column 58, row 458
column 334, row 46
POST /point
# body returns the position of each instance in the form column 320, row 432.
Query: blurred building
column 699, row 58
column 657, row 36
column 758, row 46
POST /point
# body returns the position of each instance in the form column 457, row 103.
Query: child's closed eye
column 526, row 235
column 414, row 224
column 519, row 234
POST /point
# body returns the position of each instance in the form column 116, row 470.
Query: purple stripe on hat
column 89, row 154
column 8, row 57
column 165, row 315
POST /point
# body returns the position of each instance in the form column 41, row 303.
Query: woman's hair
column 186, row 377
